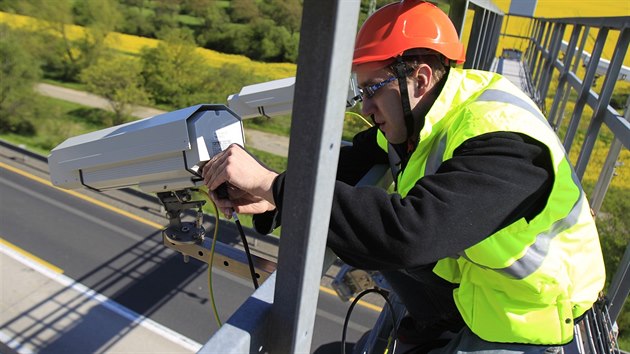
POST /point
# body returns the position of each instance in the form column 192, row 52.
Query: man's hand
column 241, row 202
column 249, row 182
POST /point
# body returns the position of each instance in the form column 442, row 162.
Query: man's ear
column 423, row 75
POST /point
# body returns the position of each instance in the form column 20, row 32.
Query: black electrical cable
column 249, row 255
column 222, row 192
column 354, row 302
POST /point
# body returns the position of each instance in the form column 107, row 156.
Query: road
column 124, row 260
column 274, row 144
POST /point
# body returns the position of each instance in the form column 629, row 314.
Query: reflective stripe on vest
column 493, row 95
column 434, row 160
column 536, row 253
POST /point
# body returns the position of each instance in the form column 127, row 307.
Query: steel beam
column 326, row 46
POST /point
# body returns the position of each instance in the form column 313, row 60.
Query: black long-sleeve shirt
column 491, row 181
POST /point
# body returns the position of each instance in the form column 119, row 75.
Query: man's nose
column 366, row 107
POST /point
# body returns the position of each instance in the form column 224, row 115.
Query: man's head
column 411, row 43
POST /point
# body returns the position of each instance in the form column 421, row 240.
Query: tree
column 165, row 15
column 197, row 7
column 233, row 78
column 174, row 72
column 243, row 11
column 19, row 71
column 119, row 80
column 101, row 17
column 136, row 22
column 273, row 42
column 214, row 17
column 105, row 14
column 286, row 13
column 64, row 57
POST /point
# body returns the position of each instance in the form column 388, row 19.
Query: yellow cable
column 360, row 116
column 214, row 241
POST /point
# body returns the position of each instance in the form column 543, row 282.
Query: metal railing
column 543, row 63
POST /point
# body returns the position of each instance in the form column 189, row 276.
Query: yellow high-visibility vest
column 527, row 282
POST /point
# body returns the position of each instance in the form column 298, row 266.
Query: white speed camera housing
column 160, row 153
column 273, row 98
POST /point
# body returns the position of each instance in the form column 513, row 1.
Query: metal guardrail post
column 603, row 100
column 326, row 44
column 619, row 286
column 587, row 83
column 545, row 66
column 527, row 54
column 496, row 31
column 487, row 53
column 546, row 28
column 457, row 14
column 605, row 177
column 562, row 90
column 487, row 42
column 574, row 67
column 533, row 48
column 475, row 40
column 556, row 42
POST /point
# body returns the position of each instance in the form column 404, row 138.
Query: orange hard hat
column 408, row 24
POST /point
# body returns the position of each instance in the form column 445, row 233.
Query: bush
column 19, row 71
column 174, row 73
column 119, row 80
column 618, row 101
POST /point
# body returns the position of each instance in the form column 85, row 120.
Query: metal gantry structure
column 543, row 62
column 279, row 316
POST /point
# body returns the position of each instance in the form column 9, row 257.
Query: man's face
column 384, row 106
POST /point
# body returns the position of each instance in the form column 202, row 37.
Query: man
column 489, row 234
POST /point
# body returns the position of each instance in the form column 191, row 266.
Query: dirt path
column 271, row 143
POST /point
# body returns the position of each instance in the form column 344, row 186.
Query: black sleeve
column 354, row 162
column 489, row 182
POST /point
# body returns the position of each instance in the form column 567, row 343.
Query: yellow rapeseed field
column 133, row 45
column 566, row 8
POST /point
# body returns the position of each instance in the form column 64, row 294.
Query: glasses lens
column 369, row 91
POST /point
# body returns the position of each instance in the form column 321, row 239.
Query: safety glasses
column 370, row 91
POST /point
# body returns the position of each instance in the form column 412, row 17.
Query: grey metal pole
column 457, row 13
column 553, row 56
column 603, row 100
column 574, row 68
column 606, row 175
column 476, row 34
column 587, row 83
column 562, row 79
column 544, row 44
column 619, row 286
column 325, row 54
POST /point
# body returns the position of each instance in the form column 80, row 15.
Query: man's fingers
column 213, row 170
column 220, row 166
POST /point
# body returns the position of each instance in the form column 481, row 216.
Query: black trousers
column 429, row 301
column 428, row 298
